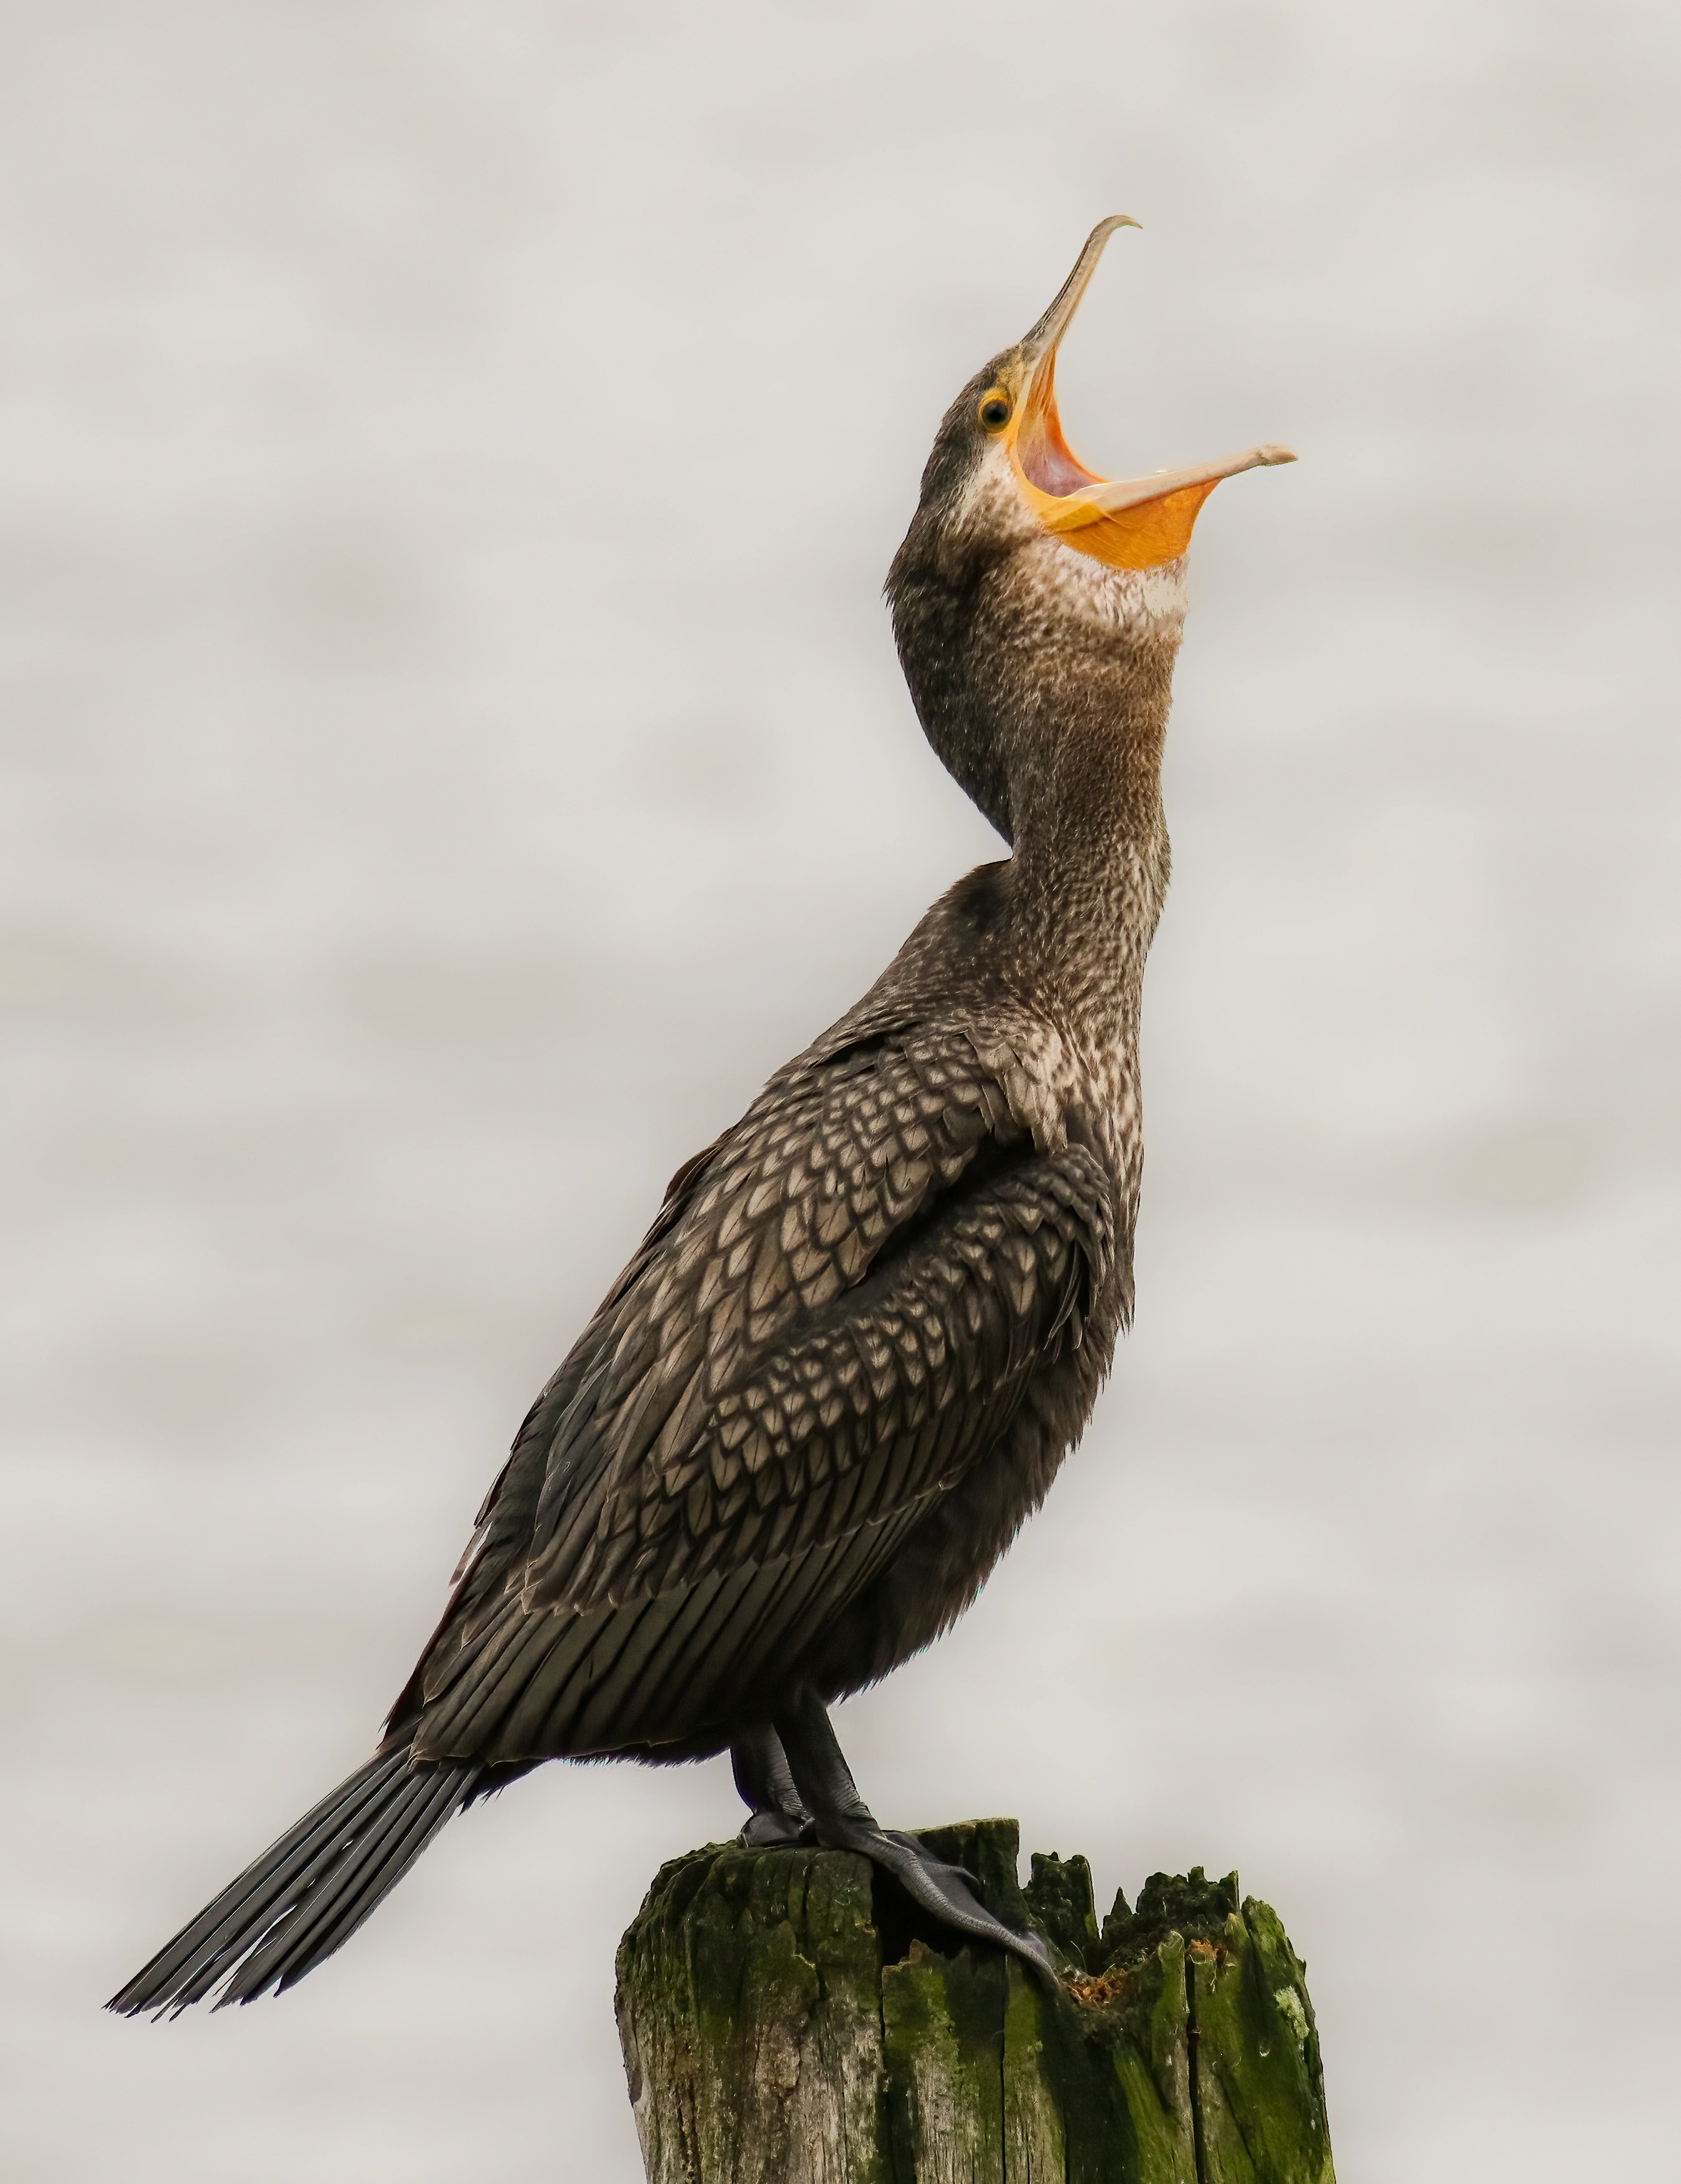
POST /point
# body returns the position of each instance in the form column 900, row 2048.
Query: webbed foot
column 825, row 1786
column 946, row 1891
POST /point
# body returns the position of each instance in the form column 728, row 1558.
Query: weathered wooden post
column 789, row 2018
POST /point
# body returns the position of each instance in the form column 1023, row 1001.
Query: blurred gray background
column 455, row 751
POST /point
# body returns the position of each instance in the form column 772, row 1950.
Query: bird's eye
column 995, row 411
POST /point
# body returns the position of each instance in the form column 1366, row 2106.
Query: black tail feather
column 190, row 1966
column 324, row 1920
column 307, row 1892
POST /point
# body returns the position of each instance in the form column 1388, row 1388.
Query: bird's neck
column 1089, row 868
column 1043, row 681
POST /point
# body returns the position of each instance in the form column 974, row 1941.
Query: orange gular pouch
column 1136, row 524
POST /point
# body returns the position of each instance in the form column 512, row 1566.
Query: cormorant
column 871, row 1318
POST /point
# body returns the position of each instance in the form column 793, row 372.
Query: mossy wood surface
column 787, row 2018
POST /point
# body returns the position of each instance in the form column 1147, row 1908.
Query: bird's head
column 1030, row 594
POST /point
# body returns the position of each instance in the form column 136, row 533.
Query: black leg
column 844, row 1822
column 774, row 1812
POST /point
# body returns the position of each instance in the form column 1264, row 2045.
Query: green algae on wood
column 749, row 2015
column 788, row 2017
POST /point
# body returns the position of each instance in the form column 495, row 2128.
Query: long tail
column 309, row 1892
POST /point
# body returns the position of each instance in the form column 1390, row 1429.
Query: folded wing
column 838, row 1311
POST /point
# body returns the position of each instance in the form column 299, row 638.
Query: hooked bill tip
column 1052, row 324
column 1266, row 457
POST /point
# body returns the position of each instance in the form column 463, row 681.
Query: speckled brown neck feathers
column 1043, row 680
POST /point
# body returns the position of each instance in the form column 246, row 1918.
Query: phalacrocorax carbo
column 871, row 1318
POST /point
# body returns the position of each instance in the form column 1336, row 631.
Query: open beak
column 1132, row 523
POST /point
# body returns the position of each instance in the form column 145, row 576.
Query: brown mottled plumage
column 872, row 1317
